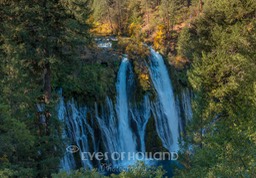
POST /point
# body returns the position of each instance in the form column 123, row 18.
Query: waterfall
column 120, row 127
column 186, row 104
column 109, row 128
column 164, row 110
column 184, row 108
column 67, row 162
column 77, row 131
column 115, row 124
column 179, row 111
column 141, row 114
column 126, row 139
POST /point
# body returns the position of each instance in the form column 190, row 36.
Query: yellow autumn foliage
column 138, row 52
column 102, row 28
column 134, row 29
column 159, row 37
column 144, row 76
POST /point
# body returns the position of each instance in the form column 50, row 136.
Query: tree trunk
column 47, row 70
column 188, row 3
column 47, row 83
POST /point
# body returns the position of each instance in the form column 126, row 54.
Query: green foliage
column 139, row 170
column 142, row 171
column 168, row 10
column 6, row 173
column 138, row 53
column 16, row 148
column 92, row 82
column 221, row 43
column 184, row 47
column 152, row 139
column 41, row 42
column 78, row 174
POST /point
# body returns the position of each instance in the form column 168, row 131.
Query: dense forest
column 208, row 45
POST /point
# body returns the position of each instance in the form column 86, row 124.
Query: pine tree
column 221, row 44
column 41, row 42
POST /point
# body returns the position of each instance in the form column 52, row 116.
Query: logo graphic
column 129, row 156
column 72, row 149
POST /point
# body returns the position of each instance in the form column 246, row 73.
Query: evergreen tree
column 41, row 42
column 221, row 44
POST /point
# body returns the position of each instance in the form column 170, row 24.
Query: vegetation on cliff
column 209, row 45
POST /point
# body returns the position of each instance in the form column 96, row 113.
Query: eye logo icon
column 72, row 149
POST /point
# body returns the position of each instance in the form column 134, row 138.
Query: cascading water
column 77, row 130
column 67, row 162
column 184, row 108
column 126, row 139
column 141, row 114
column 109, row 129
column 179, row 111
column 121, row 127
column 164, row 110
column 186, row 104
